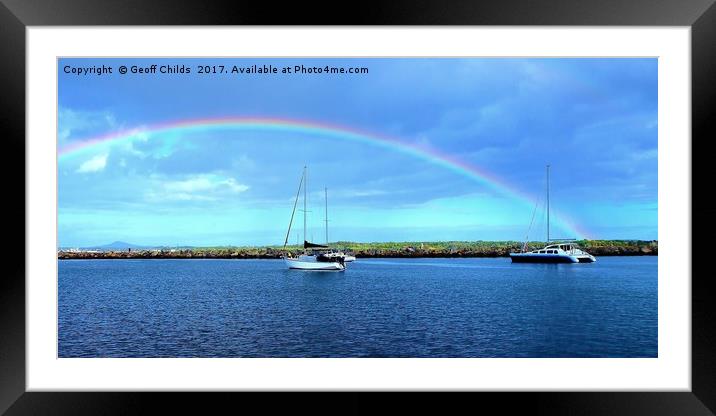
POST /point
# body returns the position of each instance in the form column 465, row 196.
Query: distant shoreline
column 479, row 249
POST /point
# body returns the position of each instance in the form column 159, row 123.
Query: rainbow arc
column 317, row 129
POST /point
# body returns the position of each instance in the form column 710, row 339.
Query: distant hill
column 118, row 245
column 122, row 245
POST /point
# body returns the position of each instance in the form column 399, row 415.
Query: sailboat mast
column 547, row 204
column 290, row 223
column 326, row 190
column 305, row 185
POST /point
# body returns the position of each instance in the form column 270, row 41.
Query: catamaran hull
column 542, row 258
column 550, row 258
column 314, row 266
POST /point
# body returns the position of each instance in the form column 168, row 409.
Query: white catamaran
column 315, row 256
column 563, row 252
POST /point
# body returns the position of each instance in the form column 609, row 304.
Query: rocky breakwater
column 257, row 253
column 372, row 250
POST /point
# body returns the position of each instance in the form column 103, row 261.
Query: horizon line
column 355, row 242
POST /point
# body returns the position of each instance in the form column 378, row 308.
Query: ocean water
column 376, row 308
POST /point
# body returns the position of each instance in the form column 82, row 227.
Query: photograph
column 357, row 207
column 228, row 199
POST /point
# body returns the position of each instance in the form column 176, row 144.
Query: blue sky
column 593, row 120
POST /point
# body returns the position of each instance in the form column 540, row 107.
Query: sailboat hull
column 297, row 264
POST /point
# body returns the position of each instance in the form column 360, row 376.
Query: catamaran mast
column 326, row 190
column 547, row 204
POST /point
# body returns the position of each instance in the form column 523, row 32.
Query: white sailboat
column 314, row 256
column 563, row 252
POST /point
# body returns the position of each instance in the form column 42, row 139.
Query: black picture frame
column 16, row 15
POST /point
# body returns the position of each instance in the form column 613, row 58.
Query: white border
column 671, row 371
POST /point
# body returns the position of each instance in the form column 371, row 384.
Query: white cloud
column 234, row 186
column 72, row 123
column 203, row 187
column 195, row 184
column 95, row 164
column 139, row 134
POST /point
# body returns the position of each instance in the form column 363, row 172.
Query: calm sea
column 377, row 308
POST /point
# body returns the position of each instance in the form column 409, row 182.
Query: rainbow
column 430, row 155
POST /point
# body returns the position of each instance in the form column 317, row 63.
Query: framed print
column 468, row 203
